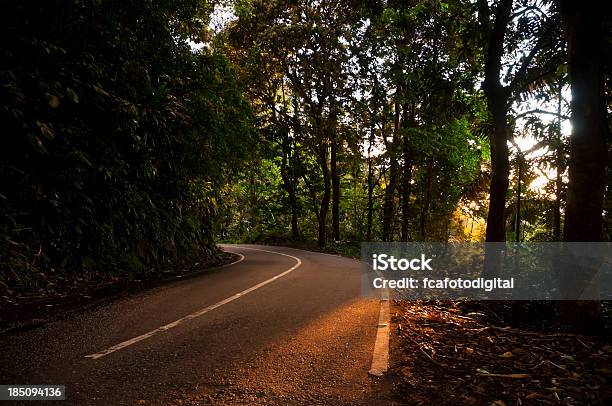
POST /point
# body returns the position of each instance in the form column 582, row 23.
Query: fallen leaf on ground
column 511, row 376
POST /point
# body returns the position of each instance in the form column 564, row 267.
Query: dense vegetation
column 117, row 140
column 410, row 121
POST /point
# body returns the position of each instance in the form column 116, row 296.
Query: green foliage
column 118, row 139
column 310, row 79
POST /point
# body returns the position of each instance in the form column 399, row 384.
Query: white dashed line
column 200, row 312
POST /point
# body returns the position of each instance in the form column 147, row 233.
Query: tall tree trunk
column 583, row 217
column 287, row 171
column 588, row 150
column 389, row 204
column 406, row 176
column 370, row 187
column 252, row 198
column 559, row 159
column 426, row 202
column 517, row 219
column 497, row 101
column 500, row 166
column 406, row 186
column 326, row 195
column 335, row 178
column 295, row 233
column 288, row 165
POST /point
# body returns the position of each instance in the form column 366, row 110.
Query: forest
column 138, row 134
column 162, row 159
column 415, row 121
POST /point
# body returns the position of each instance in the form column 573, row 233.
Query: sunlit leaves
column 53, row 100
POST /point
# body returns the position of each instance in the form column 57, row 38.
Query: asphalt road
column 305, row 337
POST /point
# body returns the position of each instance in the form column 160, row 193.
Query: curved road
column 236, row 335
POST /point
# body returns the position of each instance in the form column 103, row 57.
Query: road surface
column 282, row 326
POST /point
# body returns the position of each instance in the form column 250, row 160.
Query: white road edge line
column 380, row 356
column 200, row 312
column 232, row 263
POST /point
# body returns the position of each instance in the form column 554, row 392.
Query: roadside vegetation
column 118, row 141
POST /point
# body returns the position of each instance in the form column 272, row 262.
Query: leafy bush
column 116, row 139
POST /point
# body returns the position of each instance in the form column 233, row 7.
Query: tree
column 588, row 142
column 589, row 139
column 518, row 77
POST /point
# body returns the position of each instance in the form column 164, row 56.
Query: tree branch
column 520, row 75
column 528, row 9
column 539, row 111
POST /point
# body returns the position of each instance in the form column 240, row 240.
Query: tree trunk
column 583, row 217
column 287, row 171
column 588, row 151
column 288, row 167
column 517, row 219
column 560, row 169
column 426, row 202
column 500, row 165
column 252, row 197
column 370, row 188
column 557, row 212
column 406, row 186
column 295, row 233
column 406, row 177
column 389, row 205
column 497, row 101
column 335, row 178
column 326, row 194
